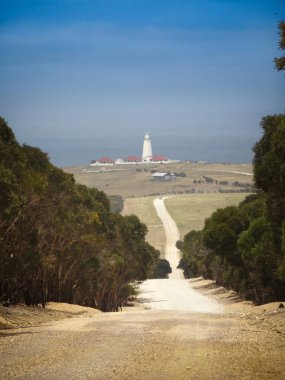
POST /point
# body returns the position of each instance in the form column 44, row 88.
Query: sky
column 75, row 72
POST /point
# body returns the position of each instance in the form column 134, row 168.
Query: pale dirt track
column 172, row 235
column 174, row 293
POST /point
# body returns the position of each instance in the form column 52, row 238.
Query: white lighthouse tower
column 147, row 151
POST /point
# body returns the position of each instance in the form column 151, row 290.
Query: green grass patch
column 190, row 211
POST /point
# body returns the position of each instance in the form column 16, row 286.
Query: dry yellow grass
column 190, row 211
column 143, row 207
column 136, row 180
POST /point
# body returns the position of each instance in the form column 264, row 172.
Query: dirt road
column 176, row 294
column 152, row 345
column 228, row 171
column 172, row 235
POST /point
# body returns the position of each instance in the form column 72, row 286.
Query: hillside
column 136, row 180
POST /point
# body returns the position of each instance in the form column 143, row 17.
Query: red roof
column 133, row 158
column 105, row 160
column 159, row 158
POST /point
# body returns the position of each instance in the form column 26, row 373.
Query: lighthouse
column 147, row 151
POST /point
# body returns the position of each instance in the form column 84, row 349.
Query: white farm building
column 163, row 176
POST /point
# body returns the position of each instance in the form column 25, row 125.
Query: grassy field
column 136, row 180
column 145, row 210
column 190, row 211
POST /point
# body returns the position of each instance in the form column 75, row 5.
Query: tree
column 7, row 136
column 280, row 62
column 269, row 171
column 193, row 255
column 162, row 269
column 255, row 246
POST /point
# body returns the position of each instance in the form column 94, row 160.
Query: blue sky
column 75, row 69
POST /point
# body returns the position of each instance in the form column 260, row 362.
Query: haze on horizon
column 80, row 71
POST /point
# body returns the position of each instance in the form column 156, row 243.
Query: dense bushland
column 59, row 240
column 243, row 247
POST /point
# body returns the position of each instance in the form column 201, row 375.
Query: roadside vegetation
column 243, row 247
column 59, row 241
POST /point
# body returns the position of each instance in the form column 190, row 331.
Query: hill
column 136, row 180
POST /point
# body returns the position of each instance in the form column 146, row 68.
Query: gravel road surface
column 172, row 294
column 172, row 235
column 148, row 345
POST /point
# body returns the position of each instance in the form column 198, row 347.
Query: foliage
column 180, row 174
column 215, row 252
column 116, row 203
column 280, row 62
column 162, row 269
column 190, row 263
column 269, row 166
column 243, row 247
column 59, row 241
